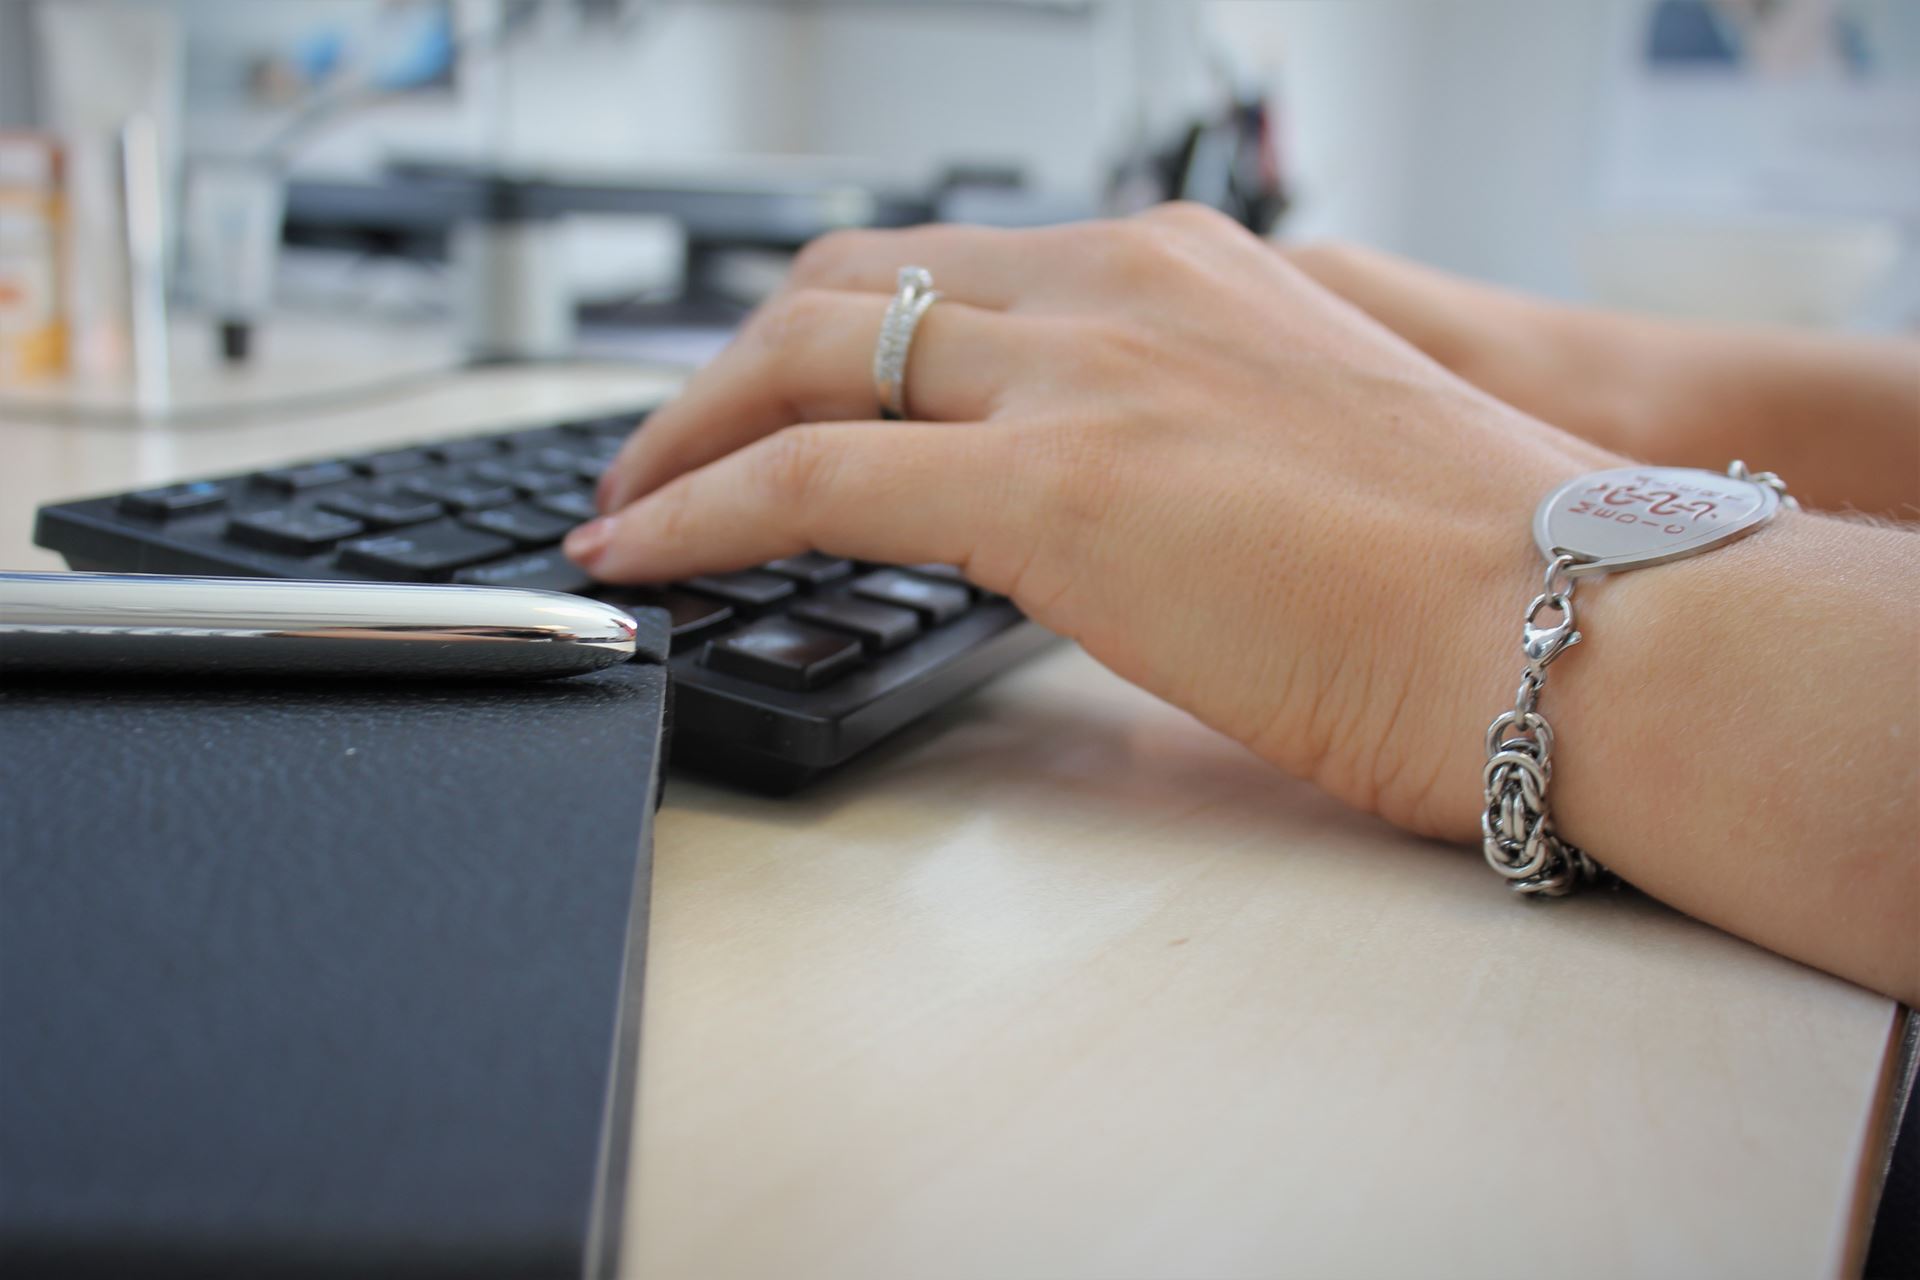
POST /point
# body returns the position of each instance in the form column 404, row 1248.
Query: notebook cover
column 321, row 978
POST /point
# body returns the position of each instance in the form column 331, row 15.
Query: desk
column 1063, row 984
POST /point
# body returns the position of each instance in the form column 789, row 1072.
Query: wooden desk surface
column 1063, row 984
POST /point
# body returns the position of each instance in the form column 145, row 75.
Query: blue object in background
column 412, row 46
column 319, row 55
column 405, row 45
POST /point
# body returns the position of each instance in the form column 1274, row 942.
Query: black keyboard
column 780, row 671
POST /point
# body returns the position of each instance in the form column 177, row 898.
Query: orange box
column 33, row 329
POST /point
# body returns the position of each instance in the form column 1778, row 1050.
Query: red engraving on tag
column 1658, row 502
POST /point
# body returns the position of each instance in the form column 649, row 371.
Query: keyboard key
column 537, row 570
column 379, row 510
column 464, row 450
column 557, row 458
column 575, row 506
column 879, row 626
column 535, row 439
column 811, row 568
column 949, row 573
column 423, row 553
column 691, row 617
column 528, row 526
column 459, row 493
column 175, row 500
column 935, row 602
column 533, row 482
column 616, row 425
column 749, row 588
column 784, row 653
column 528, row 480
column 940, row 572
column 313, row 475
column 292, row 532
column 393, row 462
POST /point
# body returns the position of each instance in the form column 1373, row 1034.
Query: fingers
column 983, row 266
column 1066, row 267
column 1078, row 268
column 904, row 493
column 807, row 356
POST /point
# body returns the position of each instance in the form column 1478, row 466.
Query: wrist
column 1646, row 611
column 1469, row 668
column 1731, row 739
column 1673, row 656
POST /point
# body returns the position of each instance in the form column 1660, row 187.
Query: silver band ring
column 916, row 293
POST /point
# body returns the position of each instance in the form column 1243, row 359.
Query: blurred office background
column 1754, row 159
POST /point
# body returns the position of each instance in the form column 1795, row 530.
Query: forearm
column 1739, row 735
column 1838, row 417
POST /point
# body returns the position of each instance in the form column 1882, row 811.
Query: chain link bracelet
column 1603, row 522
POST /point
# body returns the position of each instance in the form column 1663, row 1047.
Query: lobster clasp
column 1543, row 644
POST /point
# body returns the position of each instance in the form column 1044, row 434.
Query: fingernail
column 587, row 541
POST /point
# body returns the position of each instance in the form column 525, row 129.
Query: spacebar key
column 424, row 553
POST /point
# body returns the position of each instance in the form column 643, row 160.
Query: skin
column 1166, row 410
column 1839, row 416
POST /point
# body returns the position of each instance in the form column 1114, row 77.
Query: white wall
column 1463, row 132
column 1474, row 134
column 1400, row 114
column 690, row 83
column 1498, row 130
column 918, row 88
column 894, row 89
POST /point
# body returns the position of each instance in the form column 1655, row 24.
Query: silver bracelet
column 1602, row 522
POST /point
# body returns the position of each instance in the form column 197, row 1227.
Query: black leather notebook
column 322, row 978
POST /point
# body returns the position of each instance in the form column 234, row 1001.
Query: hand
column 1161, row 440
column 1835, row 415
column 1582, row 370
column 1235, row 489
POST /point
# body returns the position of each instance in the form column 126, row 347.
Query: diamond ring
column 915, row 294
